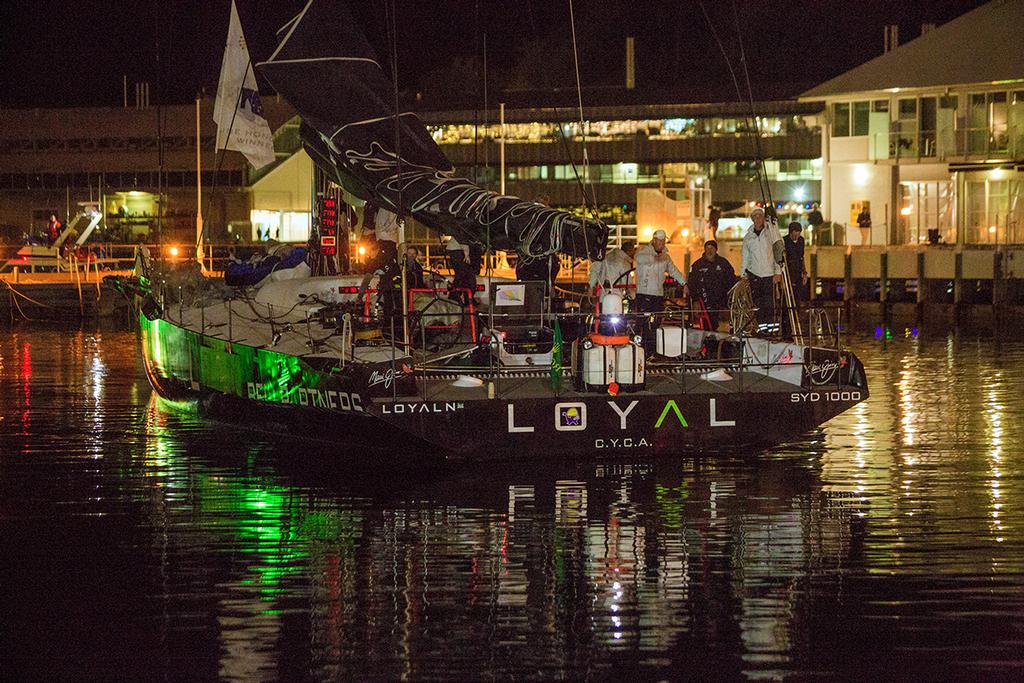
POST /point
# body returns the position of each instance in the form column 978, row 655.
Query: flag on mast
column 238, row 111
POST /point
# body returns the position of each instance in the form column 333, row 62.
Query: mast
column 398, row 167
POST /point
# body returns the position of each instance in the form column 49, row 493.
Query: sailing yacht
column 497, row 372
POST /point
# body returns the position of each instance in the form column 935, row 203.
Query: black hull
column 628, row 425
column 382, row 409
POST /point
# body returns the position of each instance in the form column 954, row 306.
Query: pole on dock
column 199, row 191
column 501, row 146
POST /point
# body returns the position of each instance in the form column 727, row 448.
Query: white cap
column 658, row 235
column 756, row 209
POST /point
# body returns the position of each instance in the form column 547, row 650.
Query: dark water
column 136, row 543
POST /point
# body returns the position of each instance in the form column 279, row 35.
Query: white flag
column 238, row 111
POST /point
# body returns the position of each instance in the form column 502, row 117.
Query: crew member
column 761, row 269
column 794, row 243
column 463, row 275
column 610, row 272
column 710, row 279
column 413, row 269
column 652, row 263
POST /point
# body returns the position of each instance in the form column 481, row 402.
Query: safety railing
column 480, row 348
column 987, row 142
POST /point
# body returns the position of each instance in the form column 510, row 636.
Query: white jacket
column 616, row 262
column 651, row 268
column 758, row 253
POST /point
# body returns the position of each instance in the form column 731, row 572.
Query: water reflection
column 888, row 537
column 556, row 569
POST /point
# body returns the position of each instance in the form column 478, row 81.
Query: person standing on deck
column 711, row 276
column 463, row 275
column 608, row 273
column 794, row 243
column 652, row 263
column 761, row 269
column 413, row 269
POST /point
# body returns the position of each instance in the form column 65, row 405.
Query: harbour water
column 137, row 543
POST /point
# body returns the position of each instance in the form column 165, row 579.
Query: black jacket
column 794, row 256
column 711, row 282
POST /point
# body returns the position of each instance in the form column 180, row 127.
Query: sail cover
column 327, row 70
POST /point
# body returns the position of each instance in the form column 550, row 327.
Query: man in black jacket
column 794, row 242
column 711, row 277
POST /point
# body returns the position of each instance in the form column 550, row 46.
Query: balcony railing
column 967, row 143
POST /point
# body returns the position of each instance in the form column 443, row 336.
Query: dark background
column 75, row 53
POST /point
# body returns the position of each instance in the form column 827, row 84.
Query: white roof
column 982, row 46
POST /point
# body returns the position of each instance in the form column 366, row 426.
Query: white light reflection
column 994, row 418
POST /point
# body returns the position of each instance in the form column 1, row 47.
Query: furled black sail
column 327, row 70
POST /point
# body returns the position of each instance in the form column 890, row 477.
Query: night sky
column 74, row 53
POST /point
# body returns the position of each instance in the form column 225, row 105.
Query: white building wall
column 850, row 185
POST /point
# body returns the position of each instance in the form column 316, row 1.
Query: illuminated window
column 841, row 120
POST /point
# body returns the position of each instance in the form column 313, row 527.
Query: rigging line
column 787, row 286
column 487, row 117
column 763, row 171
column 739, row 90
column 398, row 175
column 583, row 127
column 476, row 112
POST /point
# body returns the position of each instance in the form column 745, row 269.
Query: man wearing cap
column 652, row 263
column 710, row 279
column 761, row 268
column 794, row 242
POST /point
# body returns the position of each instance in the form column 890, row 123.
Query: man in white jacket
column 761, row 268
column 611, row 271
column 652, row 263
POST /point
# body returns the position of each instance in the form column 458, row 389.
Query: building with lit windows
column 676, row 148
column 125, row 158
column 928, row 138
column 52, row 159
column 630, row 147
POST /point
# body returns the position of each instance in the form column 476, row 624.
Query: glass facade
column 992, row 208
column 927, row 212
column 653, row 129
column 980, row 125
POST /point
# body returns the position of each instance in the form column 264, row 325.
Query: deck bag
column 629, row 366
column 670, row 341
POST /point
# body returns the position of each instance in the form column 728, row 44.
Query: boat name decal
column 571, row 416
column 434, row 407
column 302, row 396
column 815, row 396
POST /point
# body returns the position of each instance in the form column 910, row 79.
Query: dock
column 944, row 284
